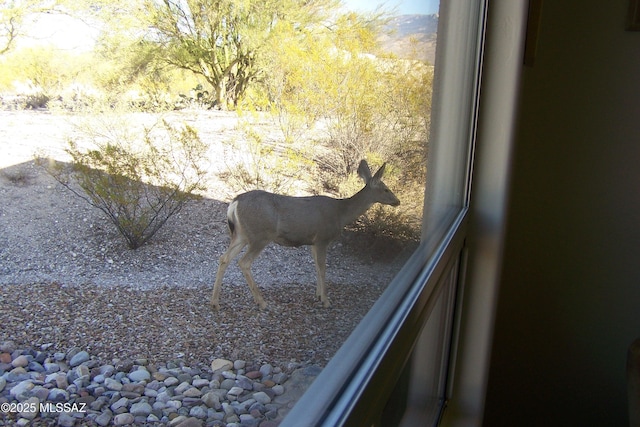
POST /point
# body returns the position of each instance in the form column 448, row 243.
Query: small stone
column 192, row 392
column 239, row 364
column 123, row 419
column 236, row 391
column 104, row 419
column 198, row 412
column 212, row 400
column 20, row 361
column 107, row 370
column 182, row 387
column 123, row 402
column 58, row 395
column 21, row 389
column 149, row 392
column 244, row 382
column 112, row 384
column 200, row 382
column 3, row 383
column 227, row 384
column 219, row 365
column 66, row 420
column 266, row 370
column 171, row 381
column 139, row 375
column 159, row 376
column 79, row 358
column 278, row 389
column 262, row 397
column 61, row 381
column 31, row 408
column 51, row 367
column 279, row 378
column 253, row 375
column 141, row 409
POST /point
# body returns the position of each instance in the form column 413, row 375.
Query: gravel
column 68, row 281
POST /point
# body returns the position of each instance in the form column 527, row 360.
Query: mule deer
column 257, row 218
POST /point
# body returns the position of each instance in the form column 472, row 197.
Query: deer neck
column 355, row 206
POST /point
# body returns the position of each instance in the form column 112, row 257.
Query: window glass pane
column 337, row 88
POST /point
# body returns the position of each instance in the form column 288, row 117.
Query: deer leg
column 320, row 257
column 234, row 249
column 245, row 266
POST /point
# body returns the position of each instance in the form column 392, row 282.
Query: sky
column 63, row 31
column 404, row 7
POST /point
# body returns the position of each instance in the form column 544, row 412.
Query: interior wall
column 569, row 299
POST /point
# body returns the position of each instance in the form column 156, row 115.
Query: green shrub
column 138, row 182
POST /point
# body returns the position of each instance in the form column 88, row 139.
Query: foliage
column 220, row 41
column 138, row 180
column 258, row 162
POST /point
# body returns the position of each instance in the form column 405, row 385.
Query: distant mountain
column 412, row 36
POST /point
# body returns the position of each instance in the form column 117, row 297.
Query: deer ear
column 364, row 172
column 380, row 172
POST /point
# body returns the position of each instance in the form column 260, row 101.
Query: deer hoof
column 215, row 305
column 326, row 303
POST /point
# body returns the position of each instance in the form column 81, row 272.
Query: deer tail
column 232, row 216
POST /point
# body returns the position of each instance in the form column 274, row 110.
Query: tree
column 223, row 40
column 15, row 13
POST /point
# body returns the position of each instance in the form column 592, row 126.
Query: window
column 394, row 368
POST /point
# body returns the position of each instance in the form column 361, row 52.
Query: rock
column 139, row 375
column 279, row 378
column 141, row 409
column 212, row 400
column 192, row 392
column 236, row 391
column 123, row 419
column 190, row 422
column 31, row 408
column 61, row 381
column 219, row 365
column 200, row 382
column 262, row 397
column 104, row 419
column 198, row 412
column 112, row 384
column 182, row 387
column 79, row 358
column 66, row 420
column 51, row 368
column 58, row 395
column 20, row 361
column 3, row 383
column 278, row 389
column 123, row 402
column 254, row 375
column 266, row 370
column 171, row 381
column 239, row 364
column 21, row 389
column 244, row 382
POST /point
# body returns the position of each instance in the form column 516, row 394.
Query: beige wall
column 569, row 299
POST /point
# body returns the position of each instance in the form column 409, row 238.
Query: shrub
column 139, row 183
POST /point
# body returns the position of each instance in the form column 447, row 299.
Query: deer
column 257, row 218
